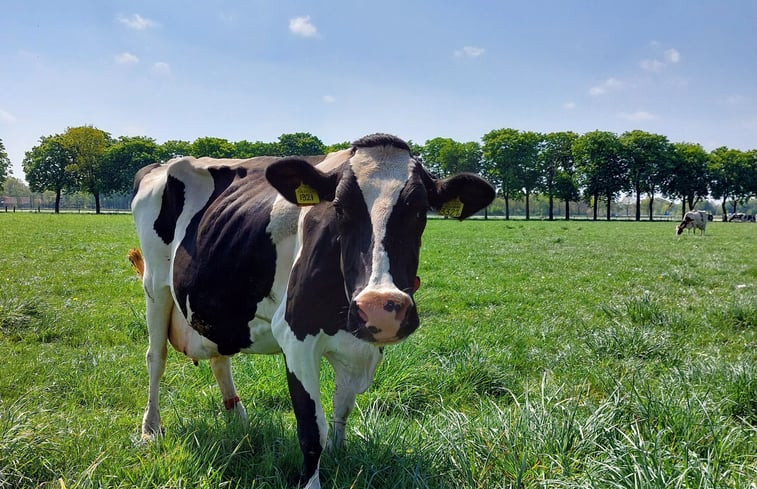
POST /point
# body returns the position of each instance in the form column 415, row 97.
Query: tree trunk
column 507, row 208
column 57, row 201
column 596, row 202
column 683, row 208
column 609, row 203
column 651, row 207
column 97, row 202
column 528, row 211
column 638, row 204
column 551, row 207
column 567, row 210
column 725, row 210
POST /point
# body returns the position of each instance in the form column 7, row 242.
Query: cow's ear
column 462, row 195
column 300, row 182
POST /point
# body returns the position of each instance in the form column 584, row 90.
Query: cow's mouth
column 380, row 334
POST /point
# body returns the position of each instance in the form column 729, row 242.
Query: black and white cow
column 693, row 220
column 309, row 257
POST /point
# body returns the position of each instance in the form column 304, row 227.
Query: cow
column 693, row 220
column 310, row 257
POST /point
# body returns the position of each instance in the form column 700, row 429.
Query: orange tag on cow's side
column 306, row 195
column 452, row 208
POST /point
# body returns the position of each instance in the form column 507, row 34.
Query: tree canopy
column 5, row 164
column 564, row 165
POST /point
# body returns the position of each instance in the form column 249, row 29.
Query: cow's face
column 375, row 214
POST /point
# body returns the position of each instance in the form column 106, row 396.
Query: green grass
column 551, row 354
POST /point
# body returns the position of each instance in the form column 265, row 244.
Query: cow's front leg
column 221, row 366
column 303, row 377
column 353, row 372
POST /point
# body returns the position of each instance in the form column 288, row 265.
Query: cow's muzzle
column 383, row 316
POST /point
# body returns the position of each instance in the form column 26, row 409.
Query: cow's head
column 683, row 225
column 362, row 235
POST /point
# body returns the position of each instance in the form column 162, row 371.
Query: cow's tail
column 135, row 257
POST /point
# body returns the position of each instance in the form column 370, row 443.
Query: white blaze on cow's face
column 381, row 174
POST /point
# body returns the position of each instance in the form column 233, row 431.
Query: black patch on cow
column 171, row 205
column 316, row 300
column 380, row 139
column 307, row 425
column 226, row 261
column 355, row 234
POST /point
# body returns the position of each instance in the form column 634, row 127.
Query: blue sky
column 343, row 69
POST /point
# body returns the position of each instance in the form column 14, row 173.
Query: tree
column 247, row 149
column 558, row 170
column 688, row 174
column 47, row 167
column 173, row 149
column 510, row 160
column 87, row 146
column 212, row 147
column 731, row 176
column 337, row 147
column 602, row 169
column 301, row 144
column 528, row 164
column 445, row 156
column 124, row 158
column 647, row 156
column 5, row 165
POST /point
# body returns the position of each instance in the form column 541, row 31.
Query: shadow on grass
column 265, row 453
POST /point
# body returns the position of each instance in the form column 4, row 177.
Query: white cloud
column 569, row 105
column 469, row 52
column 605, row 86
column 126, row 59
column 136, row 22
column 651, row 64
column 301, row 26
column 672, row 55
column 6, row 117
column 329, row 99
column 638, row 116
column 161, row 68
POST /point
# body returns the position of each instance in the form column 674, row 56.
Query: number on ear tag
column 306, row 195
column 452, row 208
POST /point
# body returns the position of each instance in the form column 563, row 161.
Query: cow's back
column 208, row 220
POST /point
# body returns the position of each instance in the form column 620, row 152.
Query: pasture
column 550, row 354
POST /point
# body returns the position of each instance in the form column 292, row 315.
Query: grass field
column 550, row 354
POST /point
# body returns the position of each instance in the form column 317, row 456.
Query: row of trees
column 88, row 159
column 596, row 166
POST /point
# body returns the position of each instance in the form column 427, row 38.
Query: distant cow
column 309, row 257
column 693, row 220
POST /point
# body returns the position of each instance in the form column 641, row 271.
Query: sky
column 419, row 69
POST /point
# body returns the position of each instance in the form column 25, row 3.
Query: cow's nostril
column 392, row 306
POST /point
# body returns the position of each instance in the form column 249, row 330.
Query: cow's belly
column 188, row 341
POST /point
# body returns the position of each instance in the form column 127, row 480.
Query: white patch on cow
column 381, row 174
column 189, row 311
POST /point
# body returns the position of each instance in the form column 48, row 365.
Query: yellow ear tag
column 452, row 208
column 306, row 195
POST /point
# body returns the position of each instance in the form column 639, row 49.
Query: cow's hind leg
column 159, row 306
column 221, row 366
